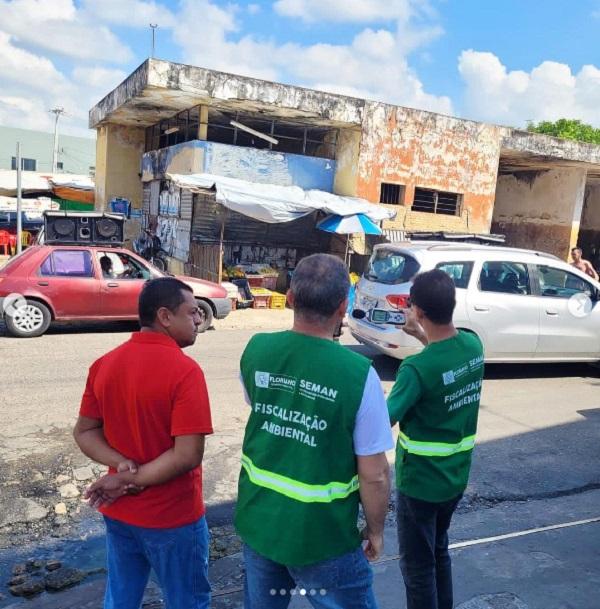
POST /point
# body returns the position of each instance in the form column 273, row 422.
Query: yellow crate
column 277, row 301
column 260, row 291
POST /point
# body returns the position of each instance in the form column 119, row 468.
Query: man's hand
column 374, row 546
column 127, row 465
column 132, row 467
column 109, row 488
column 412, row 327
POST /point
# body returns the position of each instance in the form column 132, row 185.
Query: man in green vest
column 314, row 448
column 436, row 402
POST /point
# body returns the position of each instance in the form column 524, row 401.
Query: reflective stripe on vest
column 307, row 493
column 435, row 449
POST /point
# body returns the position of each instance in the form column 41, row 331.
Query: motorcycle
column 149, row 247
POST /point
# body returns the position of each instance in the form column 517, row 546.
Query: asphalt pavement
column 535, row 464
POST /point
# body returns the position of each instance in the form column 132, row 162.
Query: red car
column 95, row 283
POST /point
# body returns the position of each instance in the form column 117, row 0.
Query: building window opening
column 26, row 164
column 251, row 130
column 391, row 194
column 436, row 202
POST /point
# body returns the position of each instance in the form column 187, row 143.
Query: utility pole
column 153, row 26
column 58, row 111
column 19, row 200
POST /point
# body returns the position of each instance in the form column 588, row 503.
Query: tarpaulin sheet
column 274, row 204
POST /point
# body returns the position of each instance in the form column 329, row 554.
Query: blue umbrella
column 349, row 225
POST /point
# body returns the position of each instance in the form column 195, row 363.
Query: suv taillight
column 398, row 301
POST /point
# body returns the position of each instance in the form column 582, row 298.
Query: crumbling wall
column 421, row 149
column 540, row 209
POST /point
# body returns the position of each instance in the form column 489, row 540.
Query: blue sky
column 507, row 61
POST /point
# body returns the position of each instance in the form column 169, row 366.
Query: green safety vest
column 437, row 435
column 297, row 494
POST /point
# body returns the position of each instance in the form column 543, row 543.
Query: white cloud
column 549, row 92
column 24, row 112
column 30, row 85
column 98, row 78
column 374, row 64
column 253, row 9
column 132, row 13
column 353, row 11
column 61, row 28
column 21, row 67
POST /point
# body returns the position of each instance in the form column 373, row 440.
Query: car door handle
column 112, row 285
column 552, row 312
column 42, row 283
column 481, row 308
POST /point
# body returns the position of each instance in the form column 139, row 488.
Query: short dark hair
column 157, row 293
column 577, row 249
column 434, row 293
column 320, row 284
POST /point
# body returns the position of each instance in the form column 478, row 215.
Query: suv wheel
column 206, row 315
column 29, row 320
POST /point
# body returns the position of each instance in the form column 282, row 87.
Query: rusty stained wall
column 540, row 209
column 421, row 149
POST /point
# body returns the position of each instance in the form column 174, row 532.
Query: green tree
column 567, row 128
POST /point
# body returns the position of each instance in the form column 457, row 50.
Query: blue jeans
column 344, row 582
column 179, row 557
column 424, row 557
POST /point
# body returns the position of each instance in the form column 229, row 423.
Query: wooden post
column 220, row 274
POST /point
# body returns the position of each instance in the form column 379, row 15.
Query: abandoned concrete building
column 436, row 172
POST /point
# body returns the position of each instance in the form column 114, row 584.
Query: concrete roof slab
column 158, row 89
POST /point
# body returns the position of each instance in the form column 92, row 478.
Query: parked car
column 525, row 306
column 76, row 283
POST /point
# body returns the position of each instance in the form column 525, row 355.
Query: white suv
column 525, row 306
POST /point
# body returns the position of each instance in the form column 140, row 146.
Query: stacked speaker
column 70, row 228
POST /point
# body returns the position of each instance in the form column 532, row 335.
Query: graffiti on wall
column 169, row 200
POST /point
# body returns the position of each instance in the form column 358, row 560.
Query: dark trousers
column 424, row 557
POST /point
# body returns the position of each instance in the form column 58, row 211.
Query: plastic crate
column 261, row 301
column 255, row 281
column 278, row 301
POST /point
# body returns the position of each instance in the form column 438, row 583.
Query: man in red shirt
column 145, row 414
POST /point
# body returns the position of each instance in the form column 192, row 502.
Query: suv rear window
column 388, row 266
